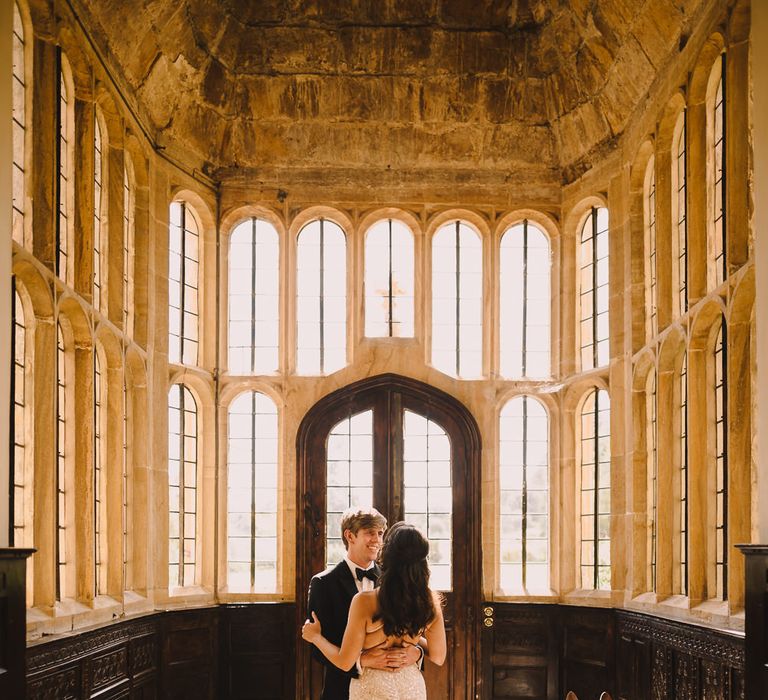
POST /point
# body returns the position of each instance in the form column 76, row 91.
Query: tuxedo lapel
column 346, row 580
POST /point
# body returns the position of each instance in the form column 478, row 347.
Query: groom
column 331, row 592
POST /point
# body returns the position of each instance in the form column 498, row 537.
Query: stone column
column 82, row 249
column 667, row 434
column 620, row 378
column 697, row 201
column 83, row 469
column 44, row 417
column 113, row 471
column 42, row 186
column 114, row 166
column 6, row 236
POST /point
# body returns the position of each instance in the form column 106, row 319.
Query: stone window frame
column 679, row 211
column 129, row 243
column 100, row 248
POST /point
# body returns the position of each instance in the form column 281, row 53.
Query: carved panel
column 143, row 654
column 686, row 678
column 64, row 685
column 714, row 683
column 107, row 669
column 661, row 673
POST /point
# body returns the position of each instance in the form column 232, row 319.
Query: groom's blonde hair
column 356, row 519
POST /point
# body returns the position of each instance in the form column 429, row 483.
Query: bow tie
column 366, row 573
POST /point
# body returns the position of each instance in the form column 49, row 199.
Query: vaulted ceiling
column 505, row 86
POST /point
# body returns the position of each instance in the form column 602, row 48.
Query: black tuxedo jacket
column 330, row 595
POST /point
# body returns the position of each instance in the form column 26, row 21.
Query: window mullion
column 524, row 352
column 391, row 290
column 595, row 361
column 253, row 295
column 253, row 489
column 458, row 299
column 322, row 296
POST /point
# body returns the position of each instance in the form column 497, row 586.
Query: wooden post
column 13, row 611
column 755, row 610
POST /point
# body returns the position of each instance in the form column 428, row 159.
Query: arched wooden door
column 413, row 452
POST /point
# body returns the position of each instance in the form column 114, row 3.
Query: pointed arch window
column 182, row 486
column 525, row 301
column 718, row 177
column 98, row 169
column 129, row 214
column 457, row 301
column 19, row 126
column 389, row 280
column 596, row 491
column 720, row 394
column 252, row 494
column 99, row 477
column 184, row 264
column 680, row 209
column 254, row 298
column 524, row 494
column 652, row 473
column 649, row 211
column 593, row 290
column 321, row 298
column 683, row 485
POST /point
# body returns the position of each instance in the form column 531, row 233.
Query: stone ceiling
column 504, row 86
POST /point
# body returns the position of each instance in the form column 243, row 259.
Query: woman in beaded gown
column 402, row 610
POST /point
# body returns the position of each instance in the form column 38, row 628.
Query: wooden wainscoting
column 530, row 652
column 659, row 659
column 258, row 651
column 541, row 652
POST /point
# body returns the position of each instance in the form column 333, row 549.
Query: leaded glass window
column 321, row 298
column 252, row 472
column 19, row 124
column 525, row 302
column 183, row 273
column 182, row 486
column 457, row 301
column 593, row 290
column 254, row 296
column 389, row 280
column 596, row 491
column 524, row 495
column 680, row 206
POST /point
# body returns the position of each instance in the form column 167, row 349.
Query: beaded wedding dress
column 374, row 684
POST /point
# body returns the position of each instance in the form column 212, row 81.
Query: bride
column 400, row 611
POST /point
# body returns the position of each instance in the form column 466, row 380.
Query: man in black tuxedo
column 331, row 592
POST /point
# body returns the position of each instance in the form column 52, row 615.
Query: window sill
column 712, row 614
column 225, row 596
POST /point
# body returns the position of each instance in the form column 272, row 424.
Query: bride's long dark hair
column 405, row 602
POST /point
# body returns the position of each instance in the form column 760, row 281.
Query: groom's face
column 364, row 545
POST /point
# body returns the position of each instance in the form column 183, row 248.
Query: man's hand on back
column 390, row 659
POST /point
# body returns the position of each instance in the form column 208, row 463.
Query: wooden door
column 413, row 452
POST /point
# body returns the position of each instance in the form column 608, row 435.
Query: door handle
column 488, row 616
